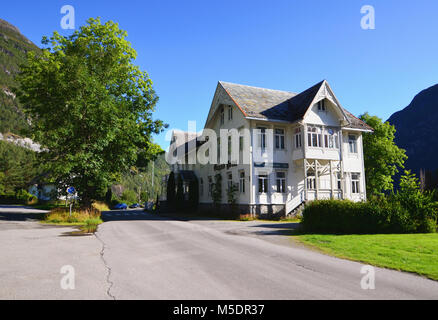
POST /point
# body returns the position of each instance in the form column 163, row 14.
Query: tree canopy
column 17, row 168
column 382, row 157
column 91, row 107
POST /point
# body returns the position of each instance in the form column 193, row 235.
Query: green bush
column 129, row 197
column 408, row 211
column 384, row 215
column 23, row 196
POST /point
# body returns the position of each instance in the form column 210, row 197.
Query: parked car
column 121, row 206
column 134, row 206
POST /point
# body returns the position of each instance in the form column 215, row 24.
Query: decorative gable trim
column 325, row 92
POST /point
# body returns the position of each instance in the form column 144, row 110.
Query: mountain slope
column 417, row 130
column 13, row 50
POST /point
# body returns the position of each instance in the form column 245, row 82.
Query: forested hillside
column 13, row 50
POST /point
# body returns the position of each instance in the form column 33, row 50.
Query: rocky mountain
column 417, row 133
column 13, row 50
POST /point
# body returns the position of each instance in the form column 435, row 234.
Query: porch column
column 305, row 179
column 331, row 180
column 316, row 180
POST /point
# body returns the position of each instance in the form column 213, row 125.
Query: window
column 321, row 105
column 339, row 181
column 355, row 182
column 331, row 139
column 230, row 113
column 281, row 182
column 218, row 150
column 263, row 183
column 314, row 137
column 352, row 142
column 229, row 145
column 201, row 191
column 311, row 181
column 262, row 138
column 210, row 186
column 241, row 142
column 230, row 180
column 222, row 116
column 298, row 143
column 279, row 139
column 242, row 182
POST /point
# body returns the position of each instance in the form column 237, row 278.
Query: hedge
column 385, row 215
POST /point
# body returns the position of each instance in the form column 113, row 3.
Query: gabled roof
column 259, row 102
column 268, row 104
column 299, row 104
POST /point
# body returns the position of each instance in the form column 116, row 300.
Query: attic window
column 222, row 116
column 321, row 105
column 230, row 113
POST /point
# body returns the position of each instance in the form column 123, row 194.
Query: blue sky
column 187, row 46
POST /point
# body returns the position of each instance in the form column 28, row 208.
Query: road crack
column 108, row 276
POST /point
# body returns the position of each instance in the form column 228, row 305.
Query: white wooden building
column 291, row 147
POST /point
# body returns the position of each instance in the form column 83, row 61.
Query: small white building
column 278, row 149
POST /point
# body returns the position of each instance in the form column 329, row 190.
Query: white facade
column 283, row 163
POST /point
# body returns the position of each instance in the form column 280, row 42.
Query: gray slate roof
column 279, row 105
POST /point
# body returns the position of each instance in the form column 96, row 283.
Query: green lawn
column 407, row 252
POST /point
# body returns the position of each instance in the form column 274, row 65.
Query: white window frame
column 314, row 134
column 298, row 139
column 264, row 177
column 280, row 138
column 352, row 144
column 311, row 181
column 331, row 139
column 280, row 182
column 261, row 138
column 242, row 182
column 355, row 183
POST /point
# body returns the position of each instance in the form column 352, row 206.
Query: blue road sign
column 71, row 190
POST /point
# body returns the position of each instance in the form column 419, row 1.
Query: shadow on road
column 20, row 213
column 141, row 215
column 278, row 229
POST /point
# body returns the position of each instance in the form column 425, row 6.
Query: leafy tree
column 422, row 208
column 129, row 196
column 91, row 107
column 17, row 168
column 382, row 156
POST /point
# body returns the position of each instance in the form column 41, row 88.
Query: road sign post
column 70, row 192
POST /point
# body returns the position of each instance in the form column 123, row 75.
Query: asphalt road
column 139, row 256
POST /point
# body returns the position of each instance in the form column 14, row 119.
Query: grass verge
column 87, row 219
column 416, row 253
